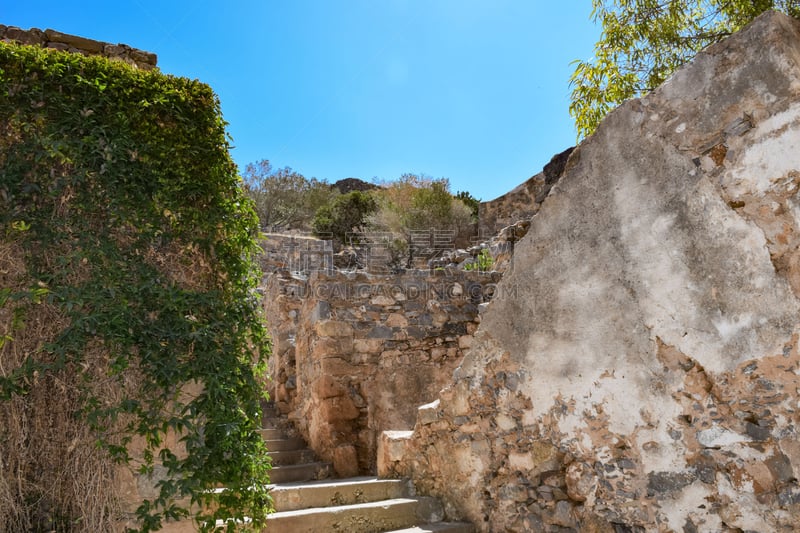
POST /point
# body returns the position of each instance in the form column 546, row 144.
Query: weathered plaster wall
column 645, row 373
column 355, row 354
column 72, row 43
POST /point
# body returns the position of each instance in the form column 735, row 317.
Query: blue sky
column 473, row 91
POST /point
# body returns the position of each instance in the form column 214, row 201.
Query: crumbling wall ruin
column 294, row 253
column 355, row 353
column 645, row 374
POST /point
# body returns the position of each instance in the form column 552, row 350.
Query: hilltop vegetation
column 401, row 212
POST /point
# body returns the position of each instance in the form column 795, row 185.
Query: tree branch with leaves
column 644, row 41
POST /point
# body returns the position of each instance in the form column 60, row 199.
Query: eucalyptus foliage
column 118, row 186
column 644, row 41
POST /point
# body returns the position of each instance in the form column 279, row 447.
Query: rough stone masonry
column 355, row 353
column 645, row 375
column 56, row 40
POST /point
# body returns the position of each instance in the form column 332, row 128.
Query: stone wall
column 354, row 353
column 72, row 43
column 295, row 253
column 522, row 202
column 645, row 374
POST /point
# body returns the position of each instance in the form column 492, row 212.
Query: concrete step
column 272, row 434
column 440, row 527
column 292, row 457
column 370, row 517
column 285, row 445
column 296, row 496
column 301, row 472
column 269, row 420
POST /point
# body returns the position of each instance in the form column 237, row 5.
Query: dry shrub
column 51, row 469
column 184, row 264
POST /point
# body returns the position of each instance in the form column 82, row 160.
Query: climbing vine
column 118, row 191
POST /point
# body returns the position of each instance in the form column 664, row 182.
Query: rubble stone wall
column 81, row 45
column 295, row 253
column 354, row 354
column 645, row 374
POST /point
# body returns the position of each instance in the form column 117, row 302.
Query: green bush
column 483, row 262
column 117, row 186
column 345, row 216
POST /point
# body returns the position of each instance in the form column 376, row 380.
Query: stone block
column 396, row 320
column 57, row 46
column 81, row 43
column 581, row 482
column 326, row 347
column 392, row 446
column 140, row 56
column 368, row 345
column 345, row 461
column 465, row 341
column 428, row 413
column 338, row 409
column 380, row 332
column 24, row 37
column 382, row 301
column 337, row 366
column 328, row 387
column 333, row 328
column 115, row 50
column 322, row 311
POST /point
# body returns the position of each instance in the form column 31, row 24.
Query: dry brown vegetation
column 50, row 468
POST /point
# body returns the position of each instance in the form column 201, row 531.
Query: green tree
column 346, row 214
column 416, row 204
column 284, row 198
column 471, row 202
column 644, row 41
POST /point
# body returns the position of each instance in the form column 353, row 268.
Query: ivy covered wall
column 130, row 339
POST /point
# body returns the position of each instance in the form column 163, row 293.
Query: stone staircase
column 307, row 501
column 292, row 460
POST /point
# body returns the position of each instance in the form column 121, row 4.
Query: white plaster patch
column 767, row 159
column 718, row 437
column 729, row 327
column 571, row 424
column 672, row 298
column 687, row 504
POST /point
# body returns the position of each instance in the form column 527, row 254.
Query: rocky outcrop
column 72, row 43
column 644, row 374
column 522, row 202
column 347, row 185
